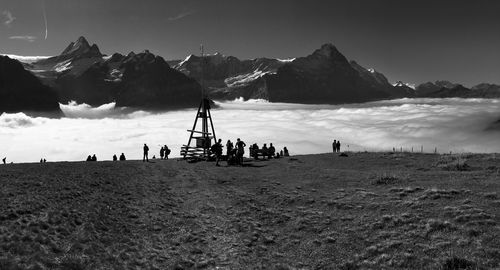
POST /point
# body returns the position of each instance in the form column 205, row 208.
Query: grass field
column 367, row 210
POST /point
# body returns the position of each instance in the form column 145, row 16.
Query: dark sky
column 412, row 41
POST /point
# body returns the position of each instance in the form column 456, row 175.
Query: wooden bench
column 255, row 153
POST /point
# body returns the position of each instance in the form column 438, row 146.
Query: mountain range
column 22, row 91
column 83, row 74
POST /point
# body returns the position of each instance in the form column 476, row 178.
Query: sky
column 411, row 41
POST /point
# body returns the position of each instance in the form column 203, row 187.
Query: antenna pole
column 204, row 107
column 203, row 141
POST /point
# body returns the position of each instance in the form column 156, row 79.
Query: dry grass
column 456, row 162
column 364, row 211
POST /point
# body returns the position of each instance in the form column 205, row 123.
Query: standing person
column 145, row 156
column 115, row 158
column 338, row 146
column 217, row 150
column 240, row 146
column 162, row 151
column 285, row 152
column 229, row 147
column 334, row 146
column 167, row 151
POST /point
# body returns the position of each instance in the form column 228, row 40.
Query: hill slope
column 367, row 210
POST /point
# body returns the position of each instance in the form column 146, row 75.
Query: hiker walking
column 145, row 156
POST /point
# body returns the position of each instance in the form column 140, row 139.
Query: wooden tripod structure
column 203, row 137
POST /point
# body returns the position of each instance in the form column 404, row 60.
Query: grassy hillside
column 367, row 210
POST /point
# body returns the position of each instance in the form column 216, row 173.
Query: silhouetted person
column 265, row 150
column 89, row 158
column 94, row 158
column 229, row 147
column 44, row 160
column 41, row 160
column 115, row 158
column 240, row 150
column 217, row 150
column 145, row 156
column 277, row 155
column 162, row 151
column 338, row 146
column 271, row 151
column 122, row 157
column 281, row 152
column 167, row 151
column 285, row 152
column 254, row 149
column 334, row 146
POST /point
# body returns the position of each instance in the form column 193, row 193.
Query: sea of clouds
column 457, row 125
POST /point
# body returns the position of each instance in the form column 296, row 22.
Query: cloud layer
column 449, row 125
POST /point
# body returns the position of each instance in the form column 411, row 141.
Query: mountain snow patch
column 286, row 60
column 243, row 79
column 411, row 85
column 63, row 66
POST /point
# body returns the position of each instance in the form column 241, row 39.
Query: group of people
column 92, row 158
column 164, row 152
column 336, row 146
column 234, row 152
column 122, row 157
column 269, row 152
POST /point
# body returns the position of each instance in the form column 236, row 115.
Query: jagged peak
column 81, row 46
column 327, row 50
column 82, row 41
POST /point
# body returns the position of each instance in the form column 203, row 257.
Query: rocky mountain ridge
column 83, row 74
column 22, row 91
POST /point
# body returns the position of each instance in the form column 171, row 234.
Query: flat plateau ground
column 367, row 210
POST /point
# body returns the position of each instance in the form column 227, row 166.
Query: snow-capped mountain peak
column 400, row 83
